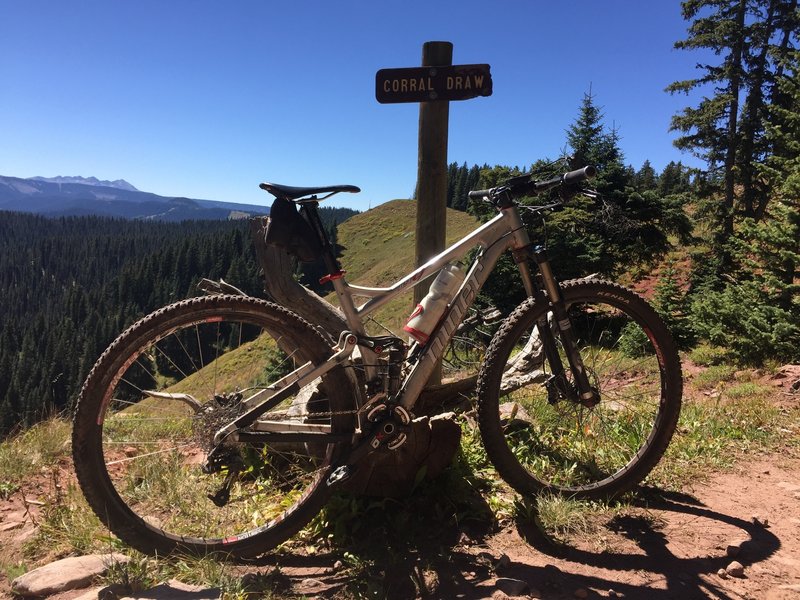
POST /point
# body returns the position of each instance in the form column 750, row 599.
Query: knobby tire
column 138, row 457
column 541, row 443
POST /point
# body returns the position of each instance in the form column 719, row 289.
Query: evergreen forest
column 69, row 286
column 723, row 239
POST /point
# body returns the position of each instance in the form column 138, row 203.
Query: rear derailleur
column 219, row 459
column 223, row 457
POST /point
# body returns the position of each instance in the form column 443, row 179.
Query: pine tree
column 452, row 171
column 727, row 129
column 672, row 304
column 710, row 131
column 623, row 226
column 674, row 179
column 756, row 313
column 586, row 134
column 645, row 179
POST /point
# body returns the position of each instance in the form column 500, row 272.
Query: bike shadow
column 677, row 576
column 422, row 546
column 434, row 545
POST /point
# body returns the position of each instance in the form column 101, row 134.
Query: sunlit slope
column 379, row 250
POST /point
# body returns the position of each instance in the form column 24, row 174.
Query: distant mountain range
column 120, row 184
column 74, row 196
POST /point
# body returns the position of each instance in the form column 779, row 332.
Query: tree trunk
column 734, row 87
column 752, row 118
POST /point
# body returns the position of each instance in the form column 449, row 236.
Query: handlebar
column 519, row 187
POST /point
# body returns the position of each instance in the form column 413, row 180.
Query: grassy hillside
column 379, row 249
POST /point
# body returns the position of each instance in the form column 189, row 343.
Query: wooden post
column 432, row 173
column 432, row 165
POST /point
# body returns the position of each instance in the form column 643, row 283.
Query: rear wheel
column 148, row 412
column 541, row 441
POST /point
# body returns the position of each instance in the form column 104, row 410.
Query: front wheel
column 147, row 415
column 540, row 440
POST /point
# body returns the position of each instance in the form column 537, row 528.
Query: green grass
column 41, row 446
column 748, row 390
column 713, row 435
column 707, row 355
column 713, row 376
column 68, row 526
column 238, row 368
column 379, row 250
column 12, row 570
column 143, row 572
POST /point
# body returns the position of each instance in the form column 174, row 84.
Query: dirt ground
column 670, row 546
column 677, row 547
column 673, row 548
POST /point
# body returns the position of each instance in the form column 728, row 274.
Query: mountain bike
column 222, row 423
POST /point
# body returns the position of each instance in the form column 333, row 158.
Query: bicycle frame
column 504, row 232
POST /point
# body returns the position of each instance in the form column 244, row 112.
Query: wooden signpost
column 433, row 85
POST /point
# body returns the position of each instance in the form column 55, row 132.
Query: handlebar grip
column 478, row 194
column 579, row 175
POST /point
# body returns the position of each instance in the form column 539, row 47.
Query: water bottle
column 428, row 312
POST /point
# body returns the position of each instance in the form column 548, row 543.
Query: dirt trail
column 677, row 546
column 671, row 549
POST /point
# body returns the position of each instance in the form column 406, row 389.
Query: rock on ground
column 66, row 574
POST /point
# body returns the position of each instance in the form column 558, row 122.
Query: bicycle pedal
column 340, row 475
column 221, row 498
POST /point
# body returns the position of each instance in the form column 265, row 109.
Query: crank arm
column 390, row 433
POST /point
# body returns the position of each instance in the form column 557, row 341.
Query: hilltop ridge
column 378, row 249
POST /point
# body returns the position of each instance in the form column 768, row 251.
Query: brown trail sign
column 427, row 84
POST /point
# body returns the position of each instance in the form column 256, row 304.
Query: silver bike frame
column 505, row 231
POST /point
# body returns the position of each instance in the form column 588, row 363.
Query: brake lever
column 543, row 207
column 568, row 193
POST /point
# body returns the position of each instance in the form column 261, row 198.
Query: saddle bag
column 287, row 229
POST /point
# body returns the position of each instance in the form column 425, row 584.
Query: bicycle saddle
column 287, row 192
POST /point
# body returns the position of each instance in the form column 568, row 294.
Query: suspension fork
column 582, row 390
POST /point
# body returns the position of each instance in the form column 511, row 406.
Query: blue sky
column 207, row 99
